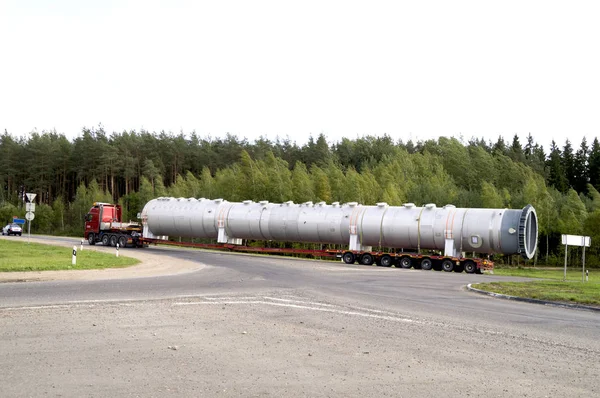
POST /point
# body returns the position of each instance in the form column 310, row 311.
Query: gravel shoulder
column 151, row 264
column 275, row 344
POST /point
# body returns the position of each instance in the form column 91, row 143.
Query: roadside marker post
column 81, row 247
column 117, row 250
column 566, row 251
column 74, row 260
column 583, row 264
column 587, row 275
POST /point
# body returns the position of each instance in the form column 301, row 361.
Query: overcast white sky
column 411, row 69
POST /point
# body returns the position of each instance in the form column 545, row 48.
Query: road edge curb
column 533, row 301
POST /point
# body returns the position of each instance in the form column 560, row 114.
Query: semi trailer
column 406, row 236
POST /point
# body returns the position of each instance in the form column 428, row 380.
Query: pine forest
column 131, row 168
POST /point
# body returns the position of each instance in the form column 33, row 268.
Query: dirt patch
column 151, row 264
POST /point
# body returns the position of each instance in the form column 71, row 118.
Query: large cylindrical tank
column 486, row 231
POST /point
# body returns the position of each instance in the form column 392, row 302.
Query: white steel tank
column 449, row 229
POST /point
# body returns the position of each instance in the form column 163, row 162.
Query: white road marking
column 298, row 301
column 74, row 304
column 37, row 307
column 306, row 307
column 357, row 311
column 375, row 311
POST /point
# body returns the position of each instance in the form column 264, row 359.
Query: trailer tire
column 426, row 264
column 470, row 267
column 122, row 241
column 366, row 259
column 349, row 258
column 405, row 262
column 105, row 240
column 448, row 265
column 114, row 240
column 385, row 260
column 91, row 239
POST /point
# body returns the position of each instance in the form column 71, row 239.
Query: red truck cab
column 99, row 219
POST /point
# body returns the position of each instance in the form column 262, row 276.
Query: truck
column 407, row 236
column 103, row 224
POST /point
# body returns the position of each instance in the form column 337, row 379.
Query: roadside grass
column 565, row 292
column 551, row 287
column 22, row 256
column 573, row 274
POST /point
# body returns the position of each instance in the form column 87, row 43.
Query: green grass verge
column 564, row 292
column 551, row 288
column 549, row 273
column 22, row 256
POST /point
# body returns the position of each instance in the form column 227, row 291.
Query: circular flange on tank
column 528, row 232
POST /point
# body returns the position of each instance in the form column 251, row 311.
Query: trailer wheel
column 426, row 264
column 114, row 240
column 349, row 258
column 91, row 239
column 406, row 262
column 122, row 241
column 366, row 259
column 448, row 265
column 385, row 260
column 105, row 240
column 470, row 267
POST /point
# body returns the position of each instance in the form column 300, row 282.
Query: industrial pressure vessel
column 449, row 229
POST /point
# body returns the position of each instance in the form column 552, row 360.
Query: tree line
column 131, row 168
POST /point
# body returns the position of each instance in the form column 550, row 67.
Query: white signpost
column 29, row 216
column 576, row 240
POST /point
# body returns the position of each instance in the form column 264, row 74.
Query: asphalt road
column 263, row 326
